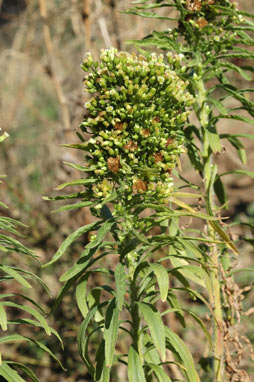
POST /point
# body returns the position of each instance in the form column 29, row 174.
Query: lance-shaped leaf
column 9, row 374
column 120, row 278
column 89, row 251
column 3, row 318
column 81, row 295
column 135, row 368
column 77, row 182
column 25, row 370
column 156, row 327
column 176, row 345
column 17, row 337
column 110, row 332
column 162, row 278
column 31, row 311
column 69, row 240
column 159, row 372
column 12, row 272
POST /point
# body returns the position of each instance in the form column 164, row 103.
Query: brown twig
column 87, row 23
column 115, row 24
column 52, row 65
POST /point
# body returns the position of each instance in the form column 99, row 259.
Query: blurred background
column 42, row 43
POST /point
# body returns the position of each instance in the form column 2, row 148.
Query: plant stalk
column 215, row 296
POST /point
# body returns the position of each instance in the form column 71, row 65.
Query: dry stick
column 103, row 25
column 115, row 24
column 74, row 15
column 56, row 82
column 87, row 23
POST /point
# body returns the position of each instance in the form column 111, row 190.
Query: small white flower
column 160, row 80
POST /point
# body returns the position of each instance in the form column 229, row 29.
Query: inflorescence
column 136, row 120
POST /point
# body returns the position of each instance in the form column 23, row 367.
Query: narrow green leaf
column 156, row 327
column 162, row 278
column 80, row 167
column 240, row 172
column 81, row 295
column 159, row 372
column 220, row 191
column 110, row 332
column 135, row 369
column 214, row 139
column 31, row 311
column 178, row 346
column 9, row 374
column 69, row 240
column 120, row 278
column 102, row 371
column 76, row 182
column 12, row 272
column 3, row 318
column 74, row 206
column 190, row 209
column 89, row 251
column 185, row 195
column 191, row 274
column 83, row 328
column 25, row 369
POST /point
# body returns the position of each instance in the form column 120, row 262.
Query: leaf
column 12, row 272
column 185, row 195
column 174, row 302
column 69, row 240
column 183, row 352
column 89, row 251
column 74, row 206
column 76, row 182
column 162, row 278
column 3, row 318
column 220, row 191
column 190, row 209
column 213, row 138
column 190, row 273
column 159, row 372
column 120, row 278
column 135, row 369
column 236, row 68
column 102, row 371
column 9, row 374
column 79, row 167
column 31, row 311
column 83, row 328
column 81, row 295
column 110, row 332
column 25, row 369
column 239, row 147
column 240, row 172
column 17, row 337
column 156, row 327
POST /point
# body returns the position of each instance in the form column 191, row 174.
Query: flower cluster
column 135, row 119
column 201, row 12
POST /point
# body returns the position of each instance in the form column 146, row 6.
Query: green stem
column 136, row 320
column 215, row 296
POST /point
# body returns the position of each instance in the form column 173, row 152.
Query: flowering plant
column 135, row 128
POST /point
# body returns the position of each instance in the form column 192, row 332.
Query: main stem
column 135, row 317
column 215, row 296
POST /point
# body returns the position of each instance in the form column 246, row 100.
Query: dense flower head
column 201, row 12
column 135, row 120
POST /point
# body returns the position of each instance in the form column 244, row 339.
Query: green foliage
column 9, row 276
